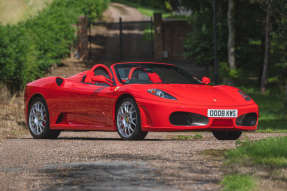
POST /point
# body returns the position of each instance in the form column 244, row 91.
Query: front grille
column 248, row 119
column 187, row 119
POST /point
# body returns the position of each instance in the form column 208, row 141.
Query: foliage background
column 28, row 49
column 250, row 31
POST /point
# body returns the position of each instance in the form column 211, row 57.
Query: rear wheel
column 128, row 120
column 38, row 120
column 227, row 135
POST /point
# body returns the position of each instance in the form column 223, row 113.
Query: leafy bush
column 28, row 49
column 199, row 43
column 15, row 53
column 94, row 10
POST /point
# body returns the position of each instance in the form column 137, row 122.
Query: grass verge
column 188, row 137
column 270, row 152
column 238, row 182
column 255, row 162
column 272, row 111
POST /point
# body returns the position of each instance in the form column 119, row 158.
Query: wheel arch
column 37, row 95
column 28, row 106
column 47, row 133
column 118, row 101
column 143, row 116
column 120, row 98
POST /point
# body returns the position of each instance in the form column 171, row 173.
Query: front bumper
column 155, row 116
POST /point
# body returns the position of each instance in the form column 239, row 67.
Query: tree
column 231, row 35
column 252, row 40
column 199, row 43
column 267, row 46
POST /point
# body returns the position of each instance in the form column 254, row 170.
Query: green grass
column 188, row 137
column 272, row 111
column 271, row 152
column 214, row 153
column 14, row 11
column 238, row 182
column 269, row 155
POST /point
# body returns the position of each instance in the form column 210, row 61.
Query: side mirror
column 205, row 80
column 102, row 79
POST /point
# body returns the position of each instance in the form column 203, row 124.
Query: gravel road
column 102, row 161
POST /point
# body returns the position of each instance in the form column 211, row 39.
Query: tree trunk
column 267, row 47
column 231, row 35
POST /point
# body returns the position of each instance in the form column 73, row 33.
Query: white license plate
column 224, row 113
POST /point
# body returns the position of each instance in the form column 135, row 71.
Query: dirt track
column 101, row 161
column 117, row 10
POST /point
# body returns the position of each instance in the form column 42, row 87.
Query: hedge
column 28, row 49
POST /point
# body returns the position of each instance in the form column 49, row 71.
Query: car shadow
column 103, row 139
column 92, row 139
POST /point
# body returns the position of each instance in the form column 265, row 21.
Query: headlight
column 160, row 93
column 244, row 95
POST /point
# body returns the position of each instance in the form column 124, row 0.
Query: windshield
column 135, row 73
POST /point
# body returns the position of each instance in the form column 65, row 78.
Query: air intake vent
column 59, row 81
column 188, row 119
column 248, row 119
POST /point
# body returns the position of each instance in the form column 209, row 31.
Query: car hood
column 203, row 94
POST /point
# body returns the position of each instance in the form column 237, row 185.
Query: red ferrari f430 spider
column 134, row 98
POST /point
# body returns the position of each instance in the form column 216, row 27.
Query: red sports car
column 134, row 98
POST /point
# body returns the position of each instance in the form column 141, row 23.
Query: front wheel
column 128, row 120
column 227, row 135
column 38, row 121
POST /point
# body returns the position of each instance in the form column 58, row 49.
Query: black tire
column 137, row 134
column 46, row 132
column 227, row 135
